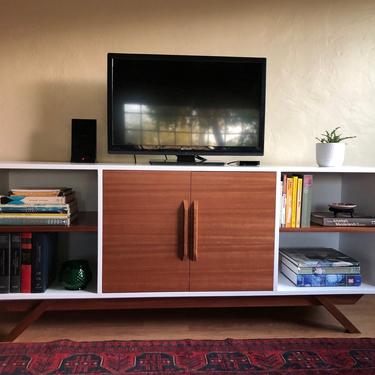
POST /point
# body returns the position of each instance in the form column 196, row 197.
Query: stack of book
column 27, row 262
column 319, row 267
column 38, row 206
column 296, row 196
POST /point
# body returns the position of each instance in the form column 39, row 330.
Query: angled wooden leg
column 337, row 314
column 31, row 316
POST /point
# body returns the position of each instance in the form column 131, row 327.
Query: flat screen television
column 186, row 105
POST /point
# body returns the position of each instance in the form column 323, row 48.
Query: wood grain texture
column 177, row 302
column 235, row 231
column 143, row 231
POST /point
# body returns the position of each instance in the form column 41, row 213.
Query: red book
column 26, row 247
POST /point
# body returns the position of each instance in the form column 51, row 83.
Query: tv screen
column 162, row 104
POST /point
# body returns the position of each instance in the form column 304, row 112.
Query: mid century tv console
column 190, row 236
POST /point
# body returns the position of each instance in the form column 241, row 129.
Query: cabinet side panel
column 236, row 231
column 142, row 228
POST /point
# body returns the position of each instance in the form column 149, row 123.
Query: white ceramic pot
column 330, row 154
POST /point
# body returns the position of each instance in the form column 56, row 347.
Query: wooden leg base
column 31, row 316
column 34, row 309
column 337, row 314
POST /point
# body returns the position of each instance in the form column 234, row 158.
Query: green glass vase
column 75, row 274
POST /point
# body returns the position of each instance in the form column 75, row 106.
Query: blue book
column 43, row 261
column 311, row 280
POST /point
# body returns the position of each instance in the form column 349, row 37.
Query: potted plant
column 330, row 151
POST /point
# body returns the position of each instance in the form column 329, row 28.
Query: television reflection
column 156, row 126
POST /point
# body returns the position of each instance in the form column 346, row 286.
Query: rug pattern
column 216, row 357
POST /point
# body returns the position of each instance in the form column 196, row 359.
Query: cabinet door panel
column 142, row 231
column 234, row 233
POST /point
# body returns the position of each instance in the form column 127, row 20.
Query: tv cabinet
column 188, row 231
column 190, row 236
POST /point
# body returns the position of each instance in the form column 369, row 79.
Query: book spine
column 33, row 209
column 314, row 280
column 41, row 192
column 48, row 200
column 4, row 262
column 299, row 203
column 320, row 270
column 26, row 250
column 306, row 200
column 288, row 206
column 344, row 222
column 329, row 280
column 37, row 256
column 34, row 221
column 294, row 201
column 50, row 259
column 283, row 200
column 19, row 215
column 15, row 263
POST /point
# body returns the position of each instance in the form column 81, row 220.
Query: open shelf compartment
column 77, row 241
column 357, row 242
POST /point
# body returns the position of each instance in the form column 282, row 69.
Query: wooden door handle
column 185, row 230
column 194, row 255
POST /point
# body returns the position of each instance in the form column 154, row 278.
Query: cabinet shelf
column 85, row 222
column 320, row 228
column 56, row 291
column 286, row 286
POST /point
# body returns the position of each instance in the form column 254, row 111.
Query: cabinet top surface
column 146, row 167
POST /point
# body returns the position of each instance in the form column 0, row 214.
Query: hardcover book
column 15, row 262
column 324, row 280
column 341, row 220
column 43, row 255
column 306, row 200
column 26, row 249
column 294, row 201
column 42, row 192
column 299, row 202
column 21, row 208
column 288, row 205
column 4, row 262
column 31, row 200
column 319, row 270
column 318, row 257
column 35, row 220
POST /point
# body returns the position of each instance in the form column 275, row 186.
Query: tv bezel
column 217, row 150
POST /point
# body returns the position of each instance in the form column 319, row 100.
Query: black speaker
column 83, row 141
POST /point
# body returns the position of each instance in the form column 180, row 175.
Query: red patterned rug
column 216, row 357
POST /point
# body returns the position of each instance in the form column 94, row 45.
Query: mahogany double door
column 188, row 231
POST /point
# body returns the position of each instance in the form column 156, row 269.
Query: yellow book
column 294, row 200
column 299, row 202
column 35, row 215
column 288, row 205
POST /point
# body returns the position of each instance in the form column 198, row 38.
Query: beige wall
column 321, row 66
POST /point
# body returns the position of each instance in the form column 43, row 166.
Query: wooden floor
column 196, row 323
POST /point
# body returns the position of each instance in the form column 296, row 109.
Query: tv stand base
column 169, row 162
column 35, row 309
column 189, row 159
